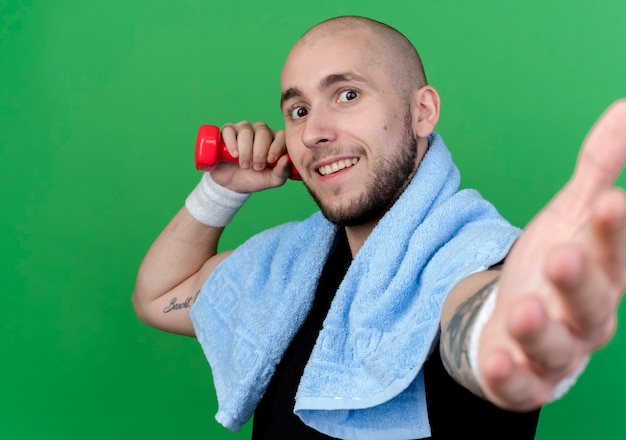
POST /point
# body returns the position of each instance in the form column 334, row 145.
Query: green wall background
column 99, row 106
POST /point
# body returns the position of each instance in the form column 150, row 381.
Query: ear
column 425, row 105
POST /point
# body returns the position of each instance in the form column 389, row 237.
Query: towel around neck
column 363, row 379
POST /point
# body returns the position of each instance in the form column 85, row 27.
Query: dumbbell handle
column 210, row 149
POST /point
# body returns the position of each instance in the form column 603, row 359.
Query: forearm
column 457, row 323
column 173, row 271
column 183, row 257
column 185, row 254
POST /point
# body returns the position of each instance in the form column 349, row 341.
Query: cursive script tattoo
column 455, row 340
column 175, row 305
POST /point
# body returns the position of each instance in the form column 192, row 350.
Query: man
column 403, row 263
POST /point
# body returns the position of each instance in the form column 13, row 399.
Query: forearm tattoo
column 175, row 305
column 455, row 340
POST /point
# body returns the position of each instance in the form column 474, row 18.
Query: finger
column 510, row 384
column 548, row 345
column 278, row 146
column 263, row 138
column 245, row 143
column 281, row 171
column 583, row 301
column 229, row 136
column 608, row 234
column 603, row 153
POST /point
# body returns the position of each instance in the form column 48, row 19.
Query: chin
column 358, row 214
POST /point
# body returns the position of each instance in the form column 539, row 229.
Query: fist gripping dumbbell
column 210, row 149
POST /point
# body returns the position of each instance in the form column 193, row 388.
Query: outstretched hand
column 561, row 283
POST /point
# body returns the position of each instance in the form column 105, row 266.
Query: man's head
column 357, row 114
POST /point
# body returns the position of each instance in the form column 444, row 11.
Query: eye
column 348, row 95
column 299, row 112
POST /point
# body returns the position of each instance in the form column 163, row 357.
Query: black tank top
column 453, row 411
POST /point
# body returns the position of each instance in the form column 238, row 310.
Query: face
column 347, row 131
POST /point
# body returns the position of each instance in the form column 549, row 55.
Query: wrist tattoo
column 455, row 340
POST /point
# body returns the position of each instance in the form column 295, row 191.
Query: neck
column 357, row 235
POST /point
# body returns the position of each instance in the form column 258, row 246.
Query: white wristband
column 213, row 204
column 568, row 381
column 486, row 309
column 485, row 312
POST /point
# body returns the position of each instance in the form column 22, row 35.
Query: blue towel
column 364, row 377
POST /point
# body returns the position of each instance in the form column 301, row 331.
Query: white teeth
column 336, row 166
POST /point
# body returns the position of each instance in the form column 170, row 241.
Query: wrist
column 485, row 312
column 565, row 384
column 213, row 204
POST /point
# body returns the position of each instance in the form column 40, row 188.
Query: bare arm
column 173, row 271
column 558, row 290
column 185, row 254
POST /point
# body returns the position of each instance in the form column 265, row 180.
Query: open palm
column 561, row 283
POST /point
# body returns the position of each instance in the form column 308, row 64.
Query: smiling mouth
column 337, row 166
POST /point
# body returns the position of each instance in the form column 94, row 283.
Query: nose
column 319, row 129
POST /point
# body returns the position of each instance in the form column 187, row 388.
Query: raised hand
column 185, row 253
column 255, row 145
column 561, row 284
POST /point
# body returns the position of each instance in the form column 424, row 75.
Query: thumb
column 603, row 153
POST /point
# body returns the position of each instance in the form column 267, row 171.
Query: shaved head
column 392, row 51
column 357, row 114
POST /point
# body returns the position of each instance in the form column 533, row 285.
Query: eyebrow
column 291, row 92
column 333, row 78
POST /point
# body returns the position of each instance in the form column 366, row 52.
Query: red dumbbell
column 210, row 149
